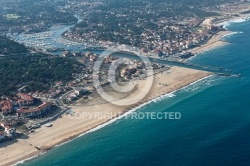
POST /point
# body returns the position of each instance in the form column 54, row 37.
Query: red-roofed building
column 25, row 99
column 6, row 107
column 36, row 111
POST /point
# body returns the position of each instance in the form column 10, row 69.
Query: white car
column 49, row 125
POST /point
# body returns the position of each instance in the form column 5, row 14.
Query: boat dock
column 216, row 70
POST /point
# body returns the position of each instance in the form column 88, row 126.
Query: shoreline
column 215, row 41
column 109, row 122
column 208, row 46
column 212, row 43
column 73, row 134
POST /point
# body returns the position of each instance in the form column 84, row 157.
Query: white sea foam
column 158, row 99
column 231, row 34
column 228, row 23
column 30, row 158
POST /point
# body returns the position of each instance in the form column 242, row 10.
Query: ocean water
column 214, row 128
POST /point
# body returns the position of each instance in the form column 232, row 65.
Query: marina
column 53, row 43
column 49, row 41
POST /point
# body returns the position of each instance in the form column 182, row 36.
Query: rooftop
column 35, row 109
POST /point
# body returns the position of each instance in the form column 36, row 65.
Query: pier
column 188, row 65
column 216, row 70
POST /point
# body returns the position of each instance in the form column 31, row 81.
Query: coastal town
column 47, row 72
column 20, row 107
column 152, row 32
column 169, row 35
column 164, row 37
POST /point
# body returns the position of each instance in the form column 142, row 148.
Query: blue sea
column 214, row 128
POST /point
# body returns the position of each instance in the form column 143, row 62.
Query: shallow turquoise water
column 214, row 128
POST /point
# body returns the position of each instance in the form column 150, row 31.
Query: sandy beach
column 214, row 42
column 68, row 127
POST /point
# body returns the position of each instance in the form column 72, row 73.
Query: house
column 80, row 91
column 6, row 107
column 35, row 111
column 70, row 98
column 24, row 99
column 10, row 131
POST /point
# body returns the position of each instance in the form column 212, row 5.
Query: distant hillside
column 9, row 47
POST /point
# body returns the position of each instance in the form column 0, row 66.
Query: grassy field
column 12, row 16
